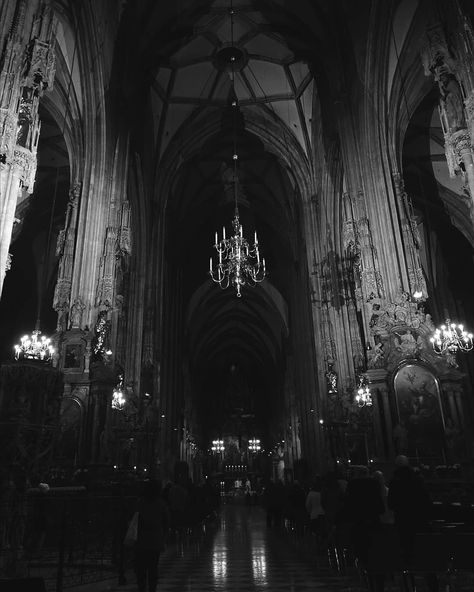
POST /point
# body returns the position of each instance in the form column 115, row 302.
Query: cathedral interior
column 340, row 133
column 236, row 252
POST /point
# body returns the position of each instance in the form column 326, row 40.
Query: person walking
column 315, row 512
column 362, row 510
column 411, row 504
column 153, row 522
column 387, row 517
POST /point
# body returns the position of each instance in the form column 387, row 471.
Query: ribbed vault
column 223, row 331
column 191, row 135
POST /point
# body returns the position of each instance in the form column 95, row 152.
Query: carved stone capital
column 8, row 263
column 8, row 129
column 469, row 105
column 24, row 161
column 461, row 142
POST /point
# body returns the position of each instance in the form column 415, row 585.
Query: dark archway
column 235, row 349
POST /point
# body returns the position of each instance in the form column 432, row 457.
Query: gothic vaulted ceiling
column 187, row 54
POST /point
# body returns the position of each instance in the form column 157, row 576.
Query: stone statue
column 76, row 313
column 407, row 345
column 451, row 98
column 376, row 356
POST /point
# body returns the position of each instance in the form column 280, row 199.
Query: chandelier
column 217, row 446
column 118, row 395
column 450, row 338
column 254, row 445
column 363, row 397
column 239, row 263
column 32, row 348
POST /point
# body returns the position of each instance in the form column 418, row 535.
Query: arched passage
column 235, row 351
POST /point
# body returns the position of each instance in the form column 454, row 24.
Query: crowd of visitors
column 344, row 511
column 353, row 510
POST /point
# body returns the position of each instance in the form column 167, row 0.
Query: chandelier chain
column 239, row 263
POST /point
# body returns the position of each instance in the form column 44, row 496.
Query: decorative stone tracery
column 28, row 69
column 450, row 63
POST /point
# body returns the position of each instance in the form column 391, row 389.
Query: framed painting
column 420, row 416
column 73, row 356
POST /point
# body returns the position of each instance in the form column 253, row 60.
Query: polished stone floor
column 240, row 553
column 235, row 552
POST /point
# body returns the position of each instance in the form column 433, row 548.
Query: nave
column 241, row 553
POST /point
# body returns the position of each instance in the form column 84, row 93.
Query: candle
column 256, row 239
column 220, row 256
column 241, row 230
column 216, row 239
column 223, row 232
column 210, row 264
column 264, row 265
column 258, row 256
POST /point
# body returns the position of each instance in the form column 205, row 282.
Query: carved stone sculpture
column 76, row 313
column 452, row 101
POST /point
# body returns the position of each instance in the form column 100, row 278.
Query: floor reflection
column 219, row 565
column 259, row 568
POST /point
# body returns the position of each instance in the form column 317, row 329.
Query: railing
column 66, row 537
column 70, row 536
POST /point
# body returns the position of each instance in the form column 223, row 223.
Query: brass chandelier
column 33, row 348
column 239, row 263
column 449, row 339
